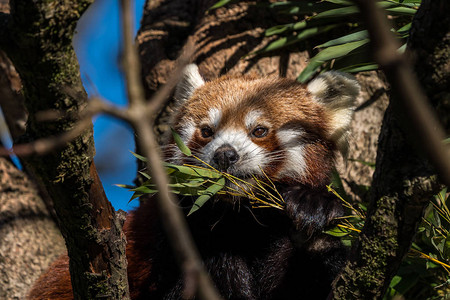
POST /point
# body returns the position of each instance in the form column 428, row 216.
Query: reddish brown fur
column 55, row 283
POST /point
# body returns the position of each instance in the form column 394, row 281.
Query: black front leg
column 311, row 211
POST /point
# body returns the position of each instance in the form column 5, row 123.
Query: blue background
column 98, row 47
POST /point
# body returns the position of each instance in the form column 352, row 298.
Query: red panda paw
column 311, row 211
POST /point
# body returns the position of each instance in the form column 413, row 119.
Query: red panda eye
column 207, row 132
column 260, row 132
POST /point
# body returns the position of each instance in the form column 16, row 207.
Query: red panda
column 248, row 127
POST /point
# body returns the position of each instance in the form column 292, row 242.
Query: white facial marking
column 214, row 116
column 251, row 119
column 252, row 156
column 295, row 164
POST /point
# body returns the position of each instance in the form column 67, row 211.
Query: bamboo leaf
column 340, row 2
column 337, row 232
column 338, row 12
column 145, row 175
column 194, row 172
column 125, row 186
column 304, row 7
column 145, row 189
column 180, row 144
column 404, row 29
column 140, row 157
column 220, row 4
column 309, row 71
column 286, row 41
column 209, row 192
column 339, row 50
column 360, row 68
column 402, row 11
column 329, row 54
column 357, row 36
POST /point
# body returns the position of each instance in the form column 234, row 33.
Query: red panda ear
column 190, row 81
column 337, row 93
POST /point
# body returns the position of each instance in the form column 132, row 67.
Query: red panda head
column 242, row 125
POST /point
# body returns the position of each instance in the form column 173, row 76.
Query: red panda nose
column 225, row 156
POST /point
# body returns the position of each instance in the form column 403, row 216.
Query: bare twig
column 197, row 280
column 46, row 145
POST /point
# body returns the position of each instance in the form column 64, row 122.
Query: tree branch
column 141, row 118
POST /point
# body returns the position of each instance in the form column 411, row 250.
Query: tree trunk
column 38, row 39
column 404, row 182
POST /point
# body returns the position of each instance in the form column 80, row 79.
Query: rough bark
column 29, row 237
column 38, row 41
column 404, row 180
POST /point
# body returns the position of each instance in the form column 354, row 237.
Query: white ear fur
column 190, row 81
column 337, row 92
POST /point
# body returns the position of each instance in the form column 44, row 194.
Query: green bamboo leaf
column 180, row 144
column 297, row 26
column 145, row 189
column 339, row 50
column 220, row 4
column 286, row 41
column 303, row 8
column 326, row 55
column 360, row 68
column 140, row 157
column 209, row 192
column 189, row 184
column 278, row 29
column 312, row 67
column 194, row 172
column 125, row 186
column 135, row 195
column 337, row 184
column 402, row 11
column 145, row 175
column 340, row 2
column 404, row 28
column 337, row 231
column 338, row 12
column 357, row 36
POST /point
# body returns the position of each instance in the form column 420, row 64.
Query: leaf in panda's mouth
column 205, row 182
